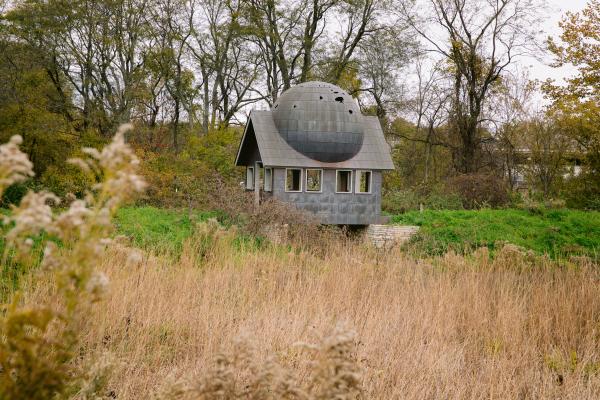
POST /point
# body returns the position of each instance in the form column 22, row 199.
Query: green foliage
column 191, row 178
column 583, row 191
column 553, row 232
column 158, row 229
column 13, row 194
column 217, row 150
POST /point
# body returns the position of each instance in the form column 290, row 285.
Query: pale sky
column 540, row 69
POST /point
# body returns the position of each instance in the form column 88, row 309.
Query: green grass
column 162, row 230
column 553, row 232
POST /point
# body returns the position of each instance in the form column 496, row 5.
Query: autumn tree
column 96, row 45
column 576, row 105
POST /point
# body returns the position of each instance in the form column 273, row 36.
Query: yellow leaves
column 37, row 373
column 581, row 38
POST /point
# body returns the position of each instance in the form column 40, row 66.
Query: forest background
column 468, row 126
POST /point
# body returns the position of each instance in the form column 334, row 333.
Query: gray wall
column 331, row 207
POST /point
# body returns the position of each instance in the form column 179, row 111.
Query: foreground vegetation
column 465, row 125
column 330, row 319
column 558, row 233
column 449, row 327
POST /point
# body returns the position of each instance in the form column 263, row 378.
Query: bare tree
column 296, row 42
column 358, row 20
column 508, row 112
column 228, row 69
column 172, row 36
column 381, row 59
column 96, row 46
column 275, row 29
column 480, row 40
column 431, row 109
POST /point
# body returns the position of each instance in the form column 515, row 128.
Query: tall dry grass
column 517, row 327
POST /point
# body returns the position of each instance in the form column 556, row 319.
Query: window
column 268, row 184
column 250, row 178
column 293, row 180
column 314, row 178
column 343, row 181
column 363, row 181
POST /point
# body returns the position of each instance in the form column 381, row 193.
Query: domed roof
column 319, row 120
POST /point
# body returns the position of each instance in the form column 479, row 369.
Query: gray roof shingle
column 276, row 152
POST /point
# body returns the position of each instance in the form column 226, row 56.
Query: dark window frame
column 349, row 181
column 286, row 180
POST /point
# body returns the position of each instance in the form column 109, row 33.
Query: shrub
column 217, row 150
column 65, row 180
column 175, row 181
column 14, row 193
column 191, row 178
column 479, row 190
column 583, row 192
column 400, row 201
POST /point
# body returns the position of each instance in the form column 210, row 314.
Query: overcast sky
column 541, row 69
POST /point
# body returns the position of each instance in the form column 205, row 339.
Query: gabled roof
column 276, row 152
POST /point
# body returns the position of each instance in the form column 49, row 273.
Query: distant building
column 314, row 149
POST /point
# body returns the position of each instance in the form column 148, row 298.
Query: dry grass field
column 222, row 314
column 515, row 327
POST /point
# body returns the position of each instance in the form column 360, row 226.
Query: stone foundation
column 389, row 235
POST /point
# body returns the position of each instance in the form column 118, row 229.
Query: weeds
column 40, row 341
column 240, row 373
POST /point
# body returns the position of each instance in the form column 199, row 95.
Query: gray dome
column 319, row 120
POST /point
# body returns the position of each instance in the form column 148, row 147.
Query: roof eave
column 237, row 157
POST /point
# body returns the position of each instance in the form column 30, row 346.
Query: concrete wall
column 331, row 207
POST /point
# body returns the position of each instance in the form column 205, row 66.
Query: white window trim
column 351, row 180
column 358, row 171
column 306, row 180
column 285, row 180
column 270, row 180
column 250, row 183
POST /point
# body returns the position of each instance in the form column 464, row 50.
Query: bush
column 583, row 192
column 13, row 194
column 191, row 178
column 175, row 181
column 65, row 179
column 479, row 190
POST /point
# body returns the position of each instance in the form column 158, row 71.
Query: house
column 314, row 149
